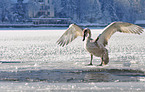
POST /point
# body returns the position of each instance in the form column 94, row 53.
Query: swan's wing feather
column 118, row 27
column 70, row 34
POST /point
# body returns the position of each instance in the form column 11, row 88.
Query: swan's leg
column 101, row 62
column 91, row 60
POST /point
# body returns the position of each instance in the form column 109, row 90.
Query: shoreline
column 48, row 25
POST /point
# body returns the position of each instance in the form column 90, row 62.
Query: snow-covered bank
column 32, row 25
column 50, row 25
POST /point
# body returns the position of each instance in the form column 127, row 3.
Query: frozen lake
column 31, row 60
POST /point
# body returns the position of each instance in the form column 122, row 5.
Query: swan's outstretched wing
column 118, row 27
column 70, row 34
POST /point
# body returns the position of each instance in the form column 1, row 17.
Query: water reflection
column 74, row 76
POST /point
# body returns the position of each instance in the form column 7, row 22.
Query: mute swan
column 96, row 47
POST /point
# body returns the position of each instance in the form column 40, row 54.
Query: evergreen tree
column 5, row 11
column 19, row 12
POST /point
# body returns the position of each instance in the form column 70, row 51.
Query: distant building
column 46, row 15
column 46, row 9
column 41, row 12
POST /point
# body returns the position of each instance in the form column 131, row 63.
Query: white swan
column 97, row 47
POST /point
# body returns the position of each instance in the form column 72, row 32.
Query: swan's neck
column 87, row 40
column 89, row 34
column 88, row 37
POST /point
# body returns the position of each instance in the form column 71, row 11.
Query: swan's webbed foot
column 89, row 64
column 100, row 64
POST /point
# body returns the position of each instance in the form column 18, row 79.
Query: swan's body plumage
column 96, row 47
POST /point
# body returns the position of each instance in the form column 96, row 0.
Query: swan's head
column 86, row 33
